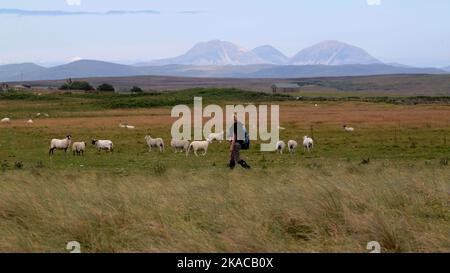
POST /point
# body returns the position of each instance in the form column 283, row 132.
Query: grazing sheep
column 38, row 115
column 308, row 143
column 215, row 136
column 103, row 145
column 154, row 143
column 280, row 146
column 46, row 115
column 182, row 145
column 6, row 120
column 348, row 129
column 199, row 145
column 124, row 125
column 292, row 146
column 59, row 144
column 30, row 121
column 78, row 148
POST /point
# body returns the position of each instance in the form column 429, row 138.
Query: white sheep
column 308, row 143
column 182, row 145
column 154, row 143
column 124, row 125
column 348, row 129
column 6, row 120
column 103, row 145
column 292, row 145
column 30, row 121
column 78, row 148
column 215, row 136
column 199, row 145
column 38, row 115
column 280, row 146
column 59, row 144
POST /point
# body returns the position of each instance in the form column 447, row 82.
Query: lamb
column 280, row 146
column 292, row 146
column 78, row 148
column 348, row 129
column 6, row 120
column 59, row 144
column 216, row 136
column 103, row 145
column 199, row 145
column 154, row 143
column 308, row 143
column 182, row 145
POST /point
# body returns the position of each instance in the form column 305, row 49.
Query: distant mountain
column 270, row 55
column 447, row 68
column 214, row 52
column 91, row 69
column 400, row 65
column 332, row 53
column 82, row 69
column 12, row 72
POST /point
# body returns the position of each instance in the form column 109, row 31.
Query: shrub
column 76, row 85
column 136, row 89
column 105, row 87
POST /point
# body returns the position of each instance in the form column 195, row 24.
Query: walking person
column 238, row 136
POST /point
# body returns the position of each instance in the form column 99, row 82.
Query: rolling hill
column 332, row 53
column 214, row 52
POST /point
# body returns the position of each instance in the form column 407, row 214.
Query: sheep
column 292, row 145
column 6, row 120
column 348, row 129
column 103, row 145
column 199, row 145
column 216, row 136
column 308, row 143
column 124, row 125
column 154, row 143
column 30, row 121
column 182, row 145
column 280, row 146
column 38, row 115
column 78, row 148
column 59, row 144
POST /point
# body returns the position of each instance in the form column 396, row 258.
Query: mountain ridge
column 92, row 68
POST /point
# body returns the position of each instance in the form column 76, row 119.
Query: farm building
column 4, row 87
column 285, row 88
column 21, row 87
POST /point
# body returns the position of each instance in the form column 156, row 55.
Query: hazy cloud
column 191, row 11
column 373, row 2
column 21, row 12
column 73, row 2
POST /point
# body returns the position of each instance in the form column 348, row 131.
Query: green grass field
column 140, row 201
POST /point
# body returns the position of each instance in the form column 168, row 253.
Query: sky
column 50, row 32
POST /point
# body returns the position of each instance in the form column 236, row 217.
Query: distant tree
column 136, row 89
column 76, row 85
column 105, row 87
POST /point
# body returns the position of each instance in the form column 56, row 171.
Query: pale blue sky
column 414, row 32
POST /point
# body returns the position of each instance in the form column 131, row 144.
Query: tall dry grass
column 335, row 207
